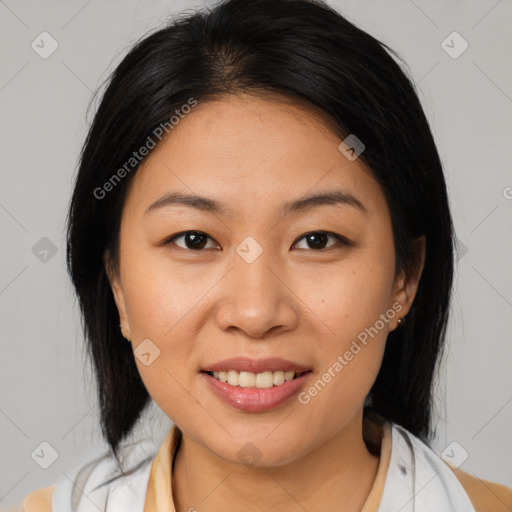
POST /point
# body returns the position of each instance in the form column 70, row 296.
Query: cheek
column 159, row 293
column 348, row 369
column 160, row 304
column 352, row 313
column 349, row 297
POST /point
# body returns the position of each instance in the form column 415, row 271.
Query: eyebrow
column 334, row 197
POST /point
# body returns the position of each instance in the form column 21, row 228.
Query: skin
column 294, row 301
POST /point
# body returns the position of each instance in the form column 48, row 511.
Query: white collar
column 98, row 485
column 417, row 480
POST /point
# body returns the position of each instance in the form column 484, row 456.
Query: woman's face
column 252, row 283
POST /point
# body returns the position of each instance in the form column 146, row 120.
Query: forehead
column 250, row 153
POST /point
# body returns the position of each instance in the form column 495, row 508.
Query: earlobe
column 119, row 298
column 407, row 283
column 121, row 308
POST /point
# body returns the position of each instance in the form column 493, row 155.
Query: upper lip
column 245, row 364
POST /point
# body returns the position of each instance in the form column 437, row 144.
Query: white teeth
column 254, row 380
column 264, row 380
column 246, row 380
column 278, row 378
column 233, row 378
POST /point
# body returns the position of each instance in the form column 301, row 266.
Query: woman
column 260, row 210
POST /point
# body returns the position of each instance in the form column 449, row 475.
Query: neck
column 341, row 471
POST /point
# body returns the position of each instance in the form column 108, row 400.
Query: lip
column 245, row 364
column 254, row 399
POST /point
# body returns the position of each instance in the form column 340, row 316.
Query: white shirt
column 417, row 480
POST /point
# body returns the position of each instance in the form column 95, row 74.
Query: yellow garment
column 485, row 496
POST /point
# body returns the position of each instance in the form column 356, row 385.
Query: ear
column 119, row 296
column 406, row 284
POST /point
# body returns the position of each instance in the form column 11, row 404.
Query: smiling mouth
column 263, row 380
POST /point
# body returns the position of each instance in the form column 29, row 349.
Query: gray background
column 46, row 386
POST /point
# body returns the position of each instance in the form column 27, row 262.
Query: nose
column 256, row 299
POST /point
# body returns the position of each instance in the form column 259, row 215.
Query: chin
column 260, row 449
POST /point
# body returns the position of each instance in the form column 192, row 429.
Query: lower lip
column 254, row 399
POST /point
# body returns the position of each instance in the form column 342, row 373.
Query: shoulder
column 440, row 483
column 101, row 481
column 39, row 500
column 485, row 496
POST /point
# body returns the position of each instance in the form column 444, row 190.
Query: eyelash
column 339, row 238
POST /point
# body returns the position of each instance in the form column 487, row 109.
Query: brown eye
column 194, row 240
column 317, row 240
